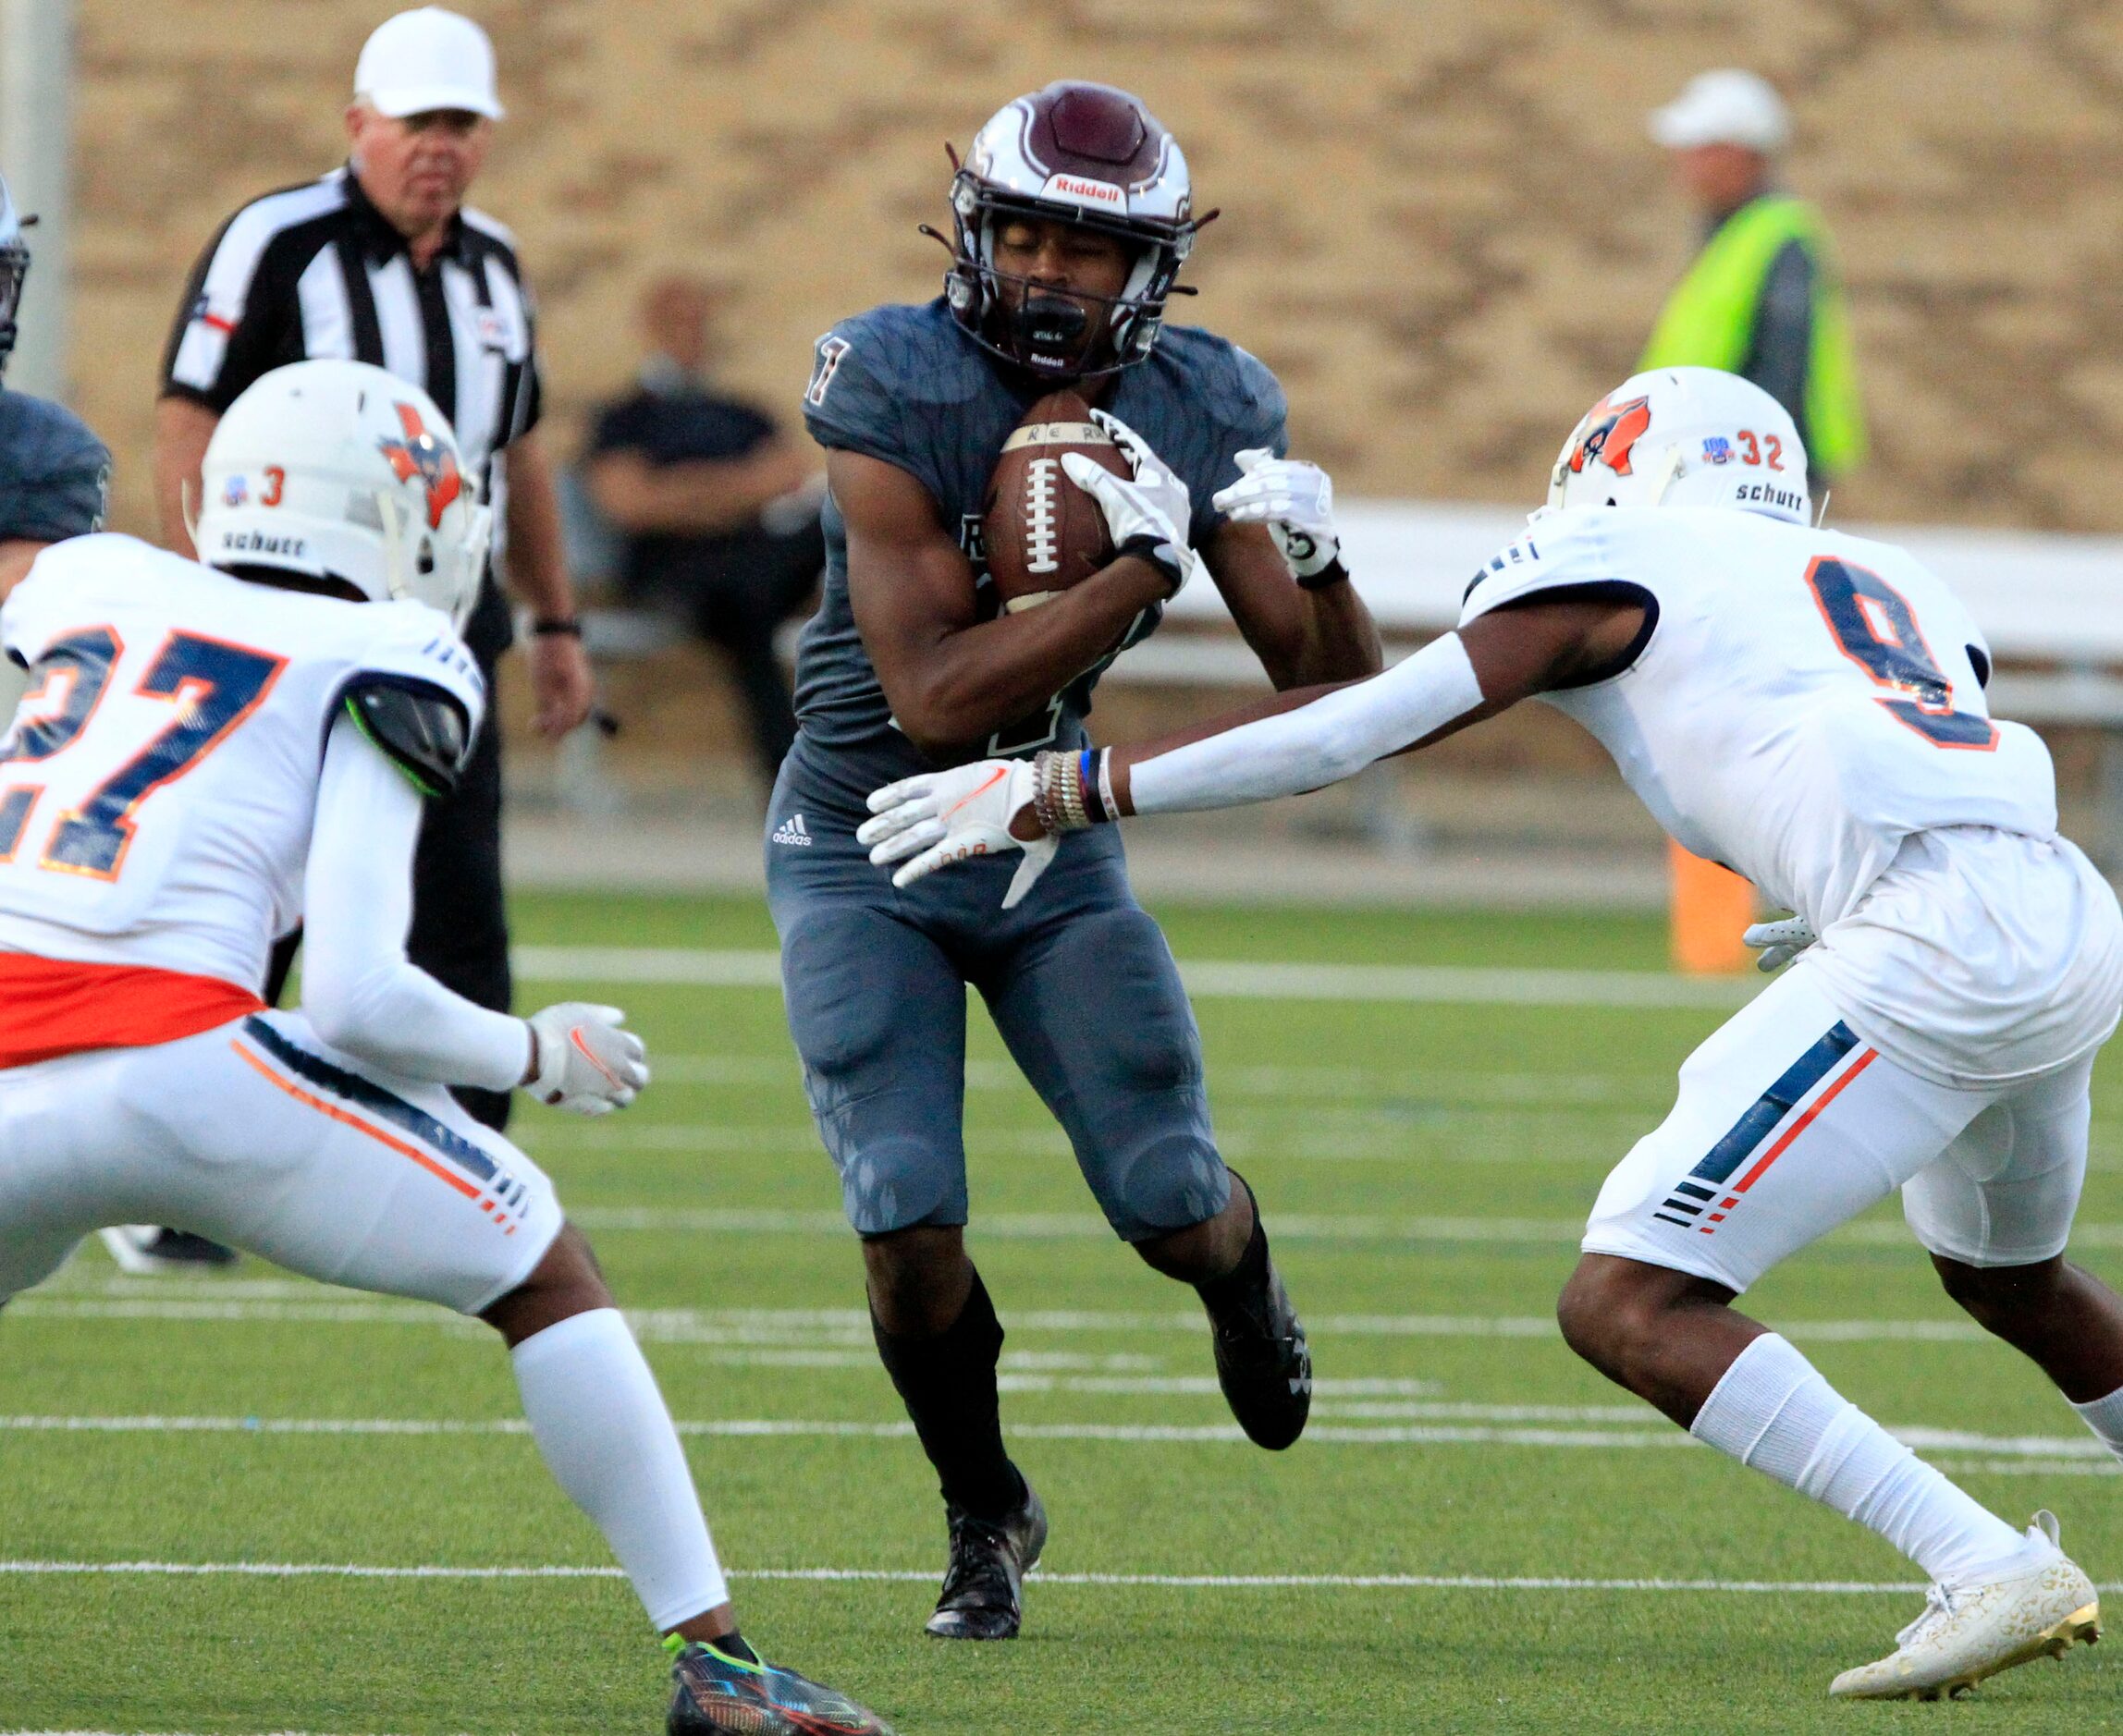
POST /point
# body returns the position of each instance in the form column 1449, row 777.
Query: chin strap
column 1667, row 474
column 392, row 515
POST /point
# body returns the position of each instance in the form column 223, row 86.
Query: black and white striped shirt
column 317, row 270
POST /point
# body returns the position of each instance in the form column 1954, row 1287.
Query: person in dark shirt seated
column 717, row 509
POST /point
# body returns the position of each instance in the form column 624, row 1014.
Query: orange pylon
column 1710, row 907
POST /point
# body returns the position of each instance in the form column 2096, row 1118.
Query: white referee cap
column 1728, row 107
column 425, row 60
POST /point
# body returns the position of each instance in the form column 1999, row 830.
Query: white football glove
column 1779, row 943
column 1151, row 511
column 1294, row 499
column 585, row 1061
column 939, row 818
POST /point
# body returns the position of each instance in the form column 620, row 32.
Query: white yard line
column 1451, row 1425
column 1280, row 1083
column 1210, row 978
column 849, row 1328
column 1486, row 1136
column 923, row 1576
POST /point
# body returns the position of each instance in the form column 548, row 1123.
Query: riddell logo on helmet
column 1086, row 191
column 1611, row 431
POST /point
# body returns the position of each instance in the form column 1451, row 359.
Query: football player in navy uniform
column 55, row 474
column 1074, row 216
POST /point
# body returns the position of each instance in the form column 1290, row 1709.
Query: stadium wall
column 1444, row 224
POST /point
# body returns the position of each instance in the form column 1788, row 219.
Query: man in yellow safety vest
column 1762, row 299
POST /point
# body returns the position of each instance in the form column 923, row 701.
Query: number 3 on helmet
column 338, row 469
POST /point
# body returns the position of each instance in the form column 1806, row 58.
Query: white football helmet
column 1685, row 437
column 1079, row 153
column 338, row 469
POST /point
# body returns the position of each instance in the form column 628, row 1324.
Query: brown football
column 1041, row 533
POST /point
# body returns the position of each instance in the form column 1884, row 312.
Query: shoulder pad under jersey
column 877, row 378
column 1556, row 552
column 422, row 729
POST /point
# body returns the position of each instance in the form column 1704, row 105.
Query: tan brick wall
column 1444, row 225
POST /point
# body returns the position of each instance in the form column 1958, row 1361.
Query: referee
column 382, row 261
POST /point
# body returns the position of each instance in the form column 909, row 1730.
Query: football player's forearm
column 359, row 992
column 984, row 678
column 1302, row 740
column 1340, row 638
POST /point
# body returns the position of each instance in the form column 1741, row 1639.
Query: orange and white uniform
column 184, row 782
column 1808, row 708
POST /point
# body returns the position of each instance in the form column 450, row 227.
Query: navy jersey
column 907, row 386
column 54, row 472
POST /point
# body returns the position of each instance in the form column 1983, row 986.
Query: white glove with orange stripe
column 581, row 1059
column 948, row 816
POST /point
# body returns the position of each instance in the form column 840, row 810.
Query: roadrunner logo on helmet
column 1080, row 154
column 1685, row 437
column 338, row 469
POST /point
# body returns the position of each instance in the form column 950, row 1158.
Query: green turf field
column 1427, row 1164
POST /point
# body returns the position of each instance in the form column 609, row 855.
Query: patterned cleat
column 149, row 1250
column 1264, row 1365
column 988, row 1562
column 1967, row 1635
column 716, row 1695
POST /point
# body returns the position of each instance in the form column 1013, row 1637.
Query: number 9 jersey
column 1798, row 702
column 1806, row 707
column 158, row 788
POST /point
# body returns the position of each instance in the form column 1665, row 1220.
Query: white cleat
column 1977, row 1630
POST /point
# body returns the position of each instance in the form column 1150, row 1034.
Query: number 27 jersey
column 158, row 788
column 1801, row 703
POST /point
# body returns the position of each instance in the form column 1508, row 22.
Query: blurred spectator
column 1762, row 299
column 717, row 510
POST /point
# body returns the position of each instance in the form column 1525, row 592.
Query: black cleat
column 715, row 1694
column 1262, row 1362
column 146, row 1250
column 989, row 1563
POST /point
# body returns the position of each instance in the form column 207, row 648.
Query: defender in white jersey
column 1808, row 708
column 212, row 753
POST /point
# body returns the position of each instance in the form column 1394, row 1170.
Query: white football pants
column 1788, row 1124
column 260, row 1135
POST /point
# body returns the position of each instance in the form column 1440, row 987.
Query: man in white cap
column 382, row 261
column 1763, row 300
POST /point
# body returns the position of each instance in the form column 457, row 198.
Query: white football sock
column 1773, row 1410
column 598, row 1418
column 2105, row 1417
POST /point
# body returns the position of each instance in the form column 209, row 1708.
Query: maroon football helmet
column 1078, row 154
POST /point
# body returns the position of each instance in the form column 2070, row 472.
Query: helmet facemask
column 14, row 271
column 1073, row 334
